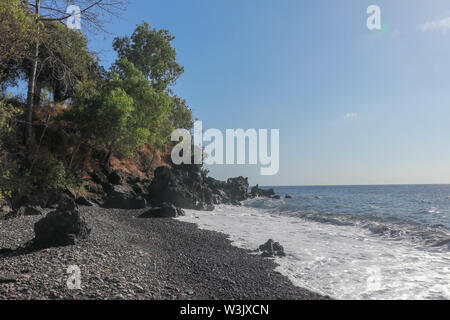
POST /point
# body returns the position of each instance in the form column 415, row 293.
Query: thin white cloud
column 351, row 115
column 442, row 25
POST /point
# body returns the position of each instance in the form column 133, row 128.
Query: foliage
column 150, row 50
column 120, row 110
column 116, row 128
column 152, row 108
column 18, row 32
column 181, row 114
column 65, row 61
column 48, row 172
column 7, row 167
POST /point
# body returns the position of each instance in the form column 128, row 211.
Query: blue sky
column 353, row 106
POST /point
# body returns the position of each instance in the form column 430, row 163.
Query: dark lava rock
column 127, row 201
column 276, row 197
column 69, row 193
column 237, row 188
column 288, row 196
column 186, row 186
column 123, row 197
column 116, row 177
column 138, row 188
column 99, row 177
column 34, row 199
column 24, row 211
column 32, row 211
column 66, row 203
column 132, row 179
column 82, row 201
column 42, row 198
column 271, row 249
column 60, row 228
column 256, row 191
column 164, row 210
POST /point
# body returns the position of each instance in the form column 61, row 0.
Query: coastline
column 131, row 258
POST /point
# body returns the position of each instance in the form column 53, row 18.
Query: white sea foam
column 343, row 261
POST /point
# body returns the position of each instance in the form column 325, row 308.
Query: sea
column 349, row 242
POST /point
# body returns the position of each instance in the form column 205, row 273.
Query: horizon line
column 359, row 185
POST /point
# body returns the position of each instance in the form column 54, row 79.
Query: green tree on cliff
column 150, row 50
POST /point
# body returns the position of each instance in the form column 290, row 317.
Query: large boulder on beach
column 187, row 186
column 66, row 203
column 272, row 249
column 123, row 197
column 163, row 210
column 183, row 186
column 60, row 228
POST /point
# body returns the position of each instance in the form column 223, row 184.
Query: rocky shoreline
column 121, row 239
column 130, row 258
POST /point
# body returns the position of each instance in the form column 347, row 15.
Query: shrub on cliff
column 7, row 166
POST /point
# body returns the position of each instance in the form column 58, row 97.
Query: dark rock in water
column 60, row 228
column 271, row 249
column 164, row 210
column 116, row 177
column 276, row 197
column 82, row 201
column 237, row 188
column 288, row 196
column 256, row 191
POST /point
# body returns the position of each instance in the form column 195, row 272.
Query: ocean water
column 350, row 242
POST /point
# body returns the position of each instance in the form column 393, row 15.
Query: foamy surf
column 342, row 261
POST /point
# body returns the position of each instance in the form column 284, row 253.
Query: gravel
column 130, row 258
